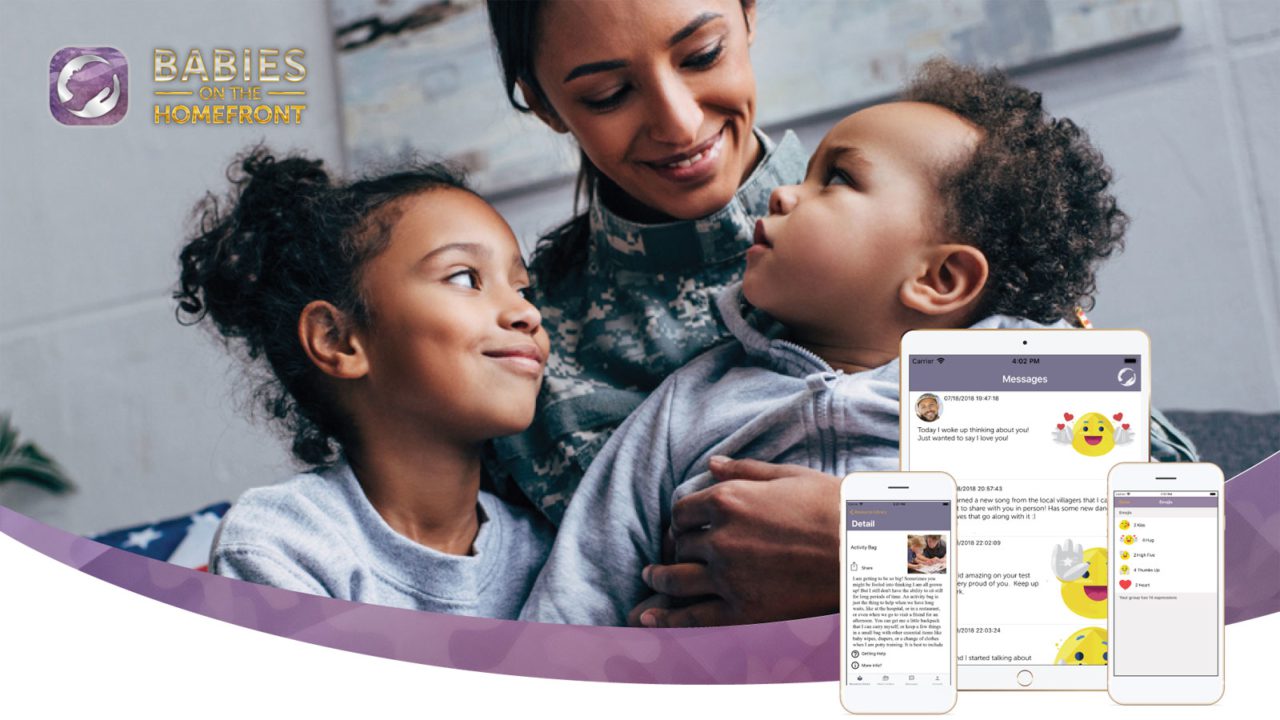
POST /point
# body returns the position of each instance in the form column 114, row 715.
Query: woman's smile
column 693, row 166
column 663, row 110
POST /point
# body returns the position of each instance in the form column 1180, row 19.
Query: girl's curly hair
column 1034, row 196
column 288, row 234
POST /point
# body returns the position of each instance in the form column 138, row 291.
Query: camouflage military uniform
column 642, row 308
column 639, row 309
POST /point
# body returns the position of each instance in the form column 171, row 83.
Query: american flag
column 182, row 540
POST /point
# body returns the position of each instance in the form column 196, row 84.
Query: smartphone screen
column 1165, row 557
column 1029, row 439
column 899, row 593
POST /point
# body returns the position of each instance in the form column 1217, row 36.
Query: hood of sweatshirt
column 764, row 339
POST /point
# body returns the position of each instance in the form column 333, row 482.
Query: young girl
column 390, row 318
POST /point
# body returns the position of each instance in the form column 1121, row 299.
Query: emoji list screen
column 1030, row 440
column 1165, row 556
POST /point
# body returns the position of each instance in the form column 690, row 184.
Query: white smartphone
column 1165, row 537
column 898, row 592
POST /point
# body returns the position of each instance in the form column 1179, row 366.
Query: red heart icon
column 1125, row 426
column 1117, row 417
column 1068, row 416
column 1125, row 584
column 1060, row 426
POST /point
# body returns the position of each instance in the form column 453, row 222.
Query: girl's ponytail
column 241, row 241
column 287, row 235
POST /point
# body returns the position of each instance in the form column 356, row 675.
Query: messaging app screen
column 1030, row 440
column 1166, row 563
column 899, row 584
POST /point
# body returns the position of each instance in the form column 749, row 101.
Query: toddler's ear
column 325, row 333
column 950, row 280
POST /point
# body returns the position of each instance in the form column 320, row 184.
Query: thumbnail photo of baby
column 926, row 554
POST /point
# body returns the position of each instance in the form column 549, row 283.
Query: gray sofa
column 1234, row 441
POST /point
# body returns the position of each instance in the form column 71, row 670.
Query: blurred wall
column 149, row 417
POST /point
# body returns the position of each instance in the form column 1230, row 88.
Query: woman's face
column 659, row 94
column 453, row 341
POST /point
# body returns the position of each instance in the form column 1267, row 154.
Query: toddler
column 961, row 205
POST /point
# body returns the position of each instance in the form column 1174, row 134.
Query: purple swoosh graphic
column 1252, row 546
column 793, row 651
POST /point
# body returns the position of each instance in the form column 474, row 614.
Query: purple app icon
column 88, row 86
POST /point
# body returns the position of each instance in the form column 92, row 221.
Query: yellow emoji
column 1086, row 596
column 1124, row 524
column 1087, row 646
column 1124, row 554
column 1093, row 435
column 1128, row 539
column 1124, row 569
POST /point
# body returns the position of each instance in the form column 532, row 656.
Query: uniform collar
column 687, row 244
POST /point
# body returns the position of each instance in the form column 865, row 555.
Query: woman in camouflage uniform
column 660, row 97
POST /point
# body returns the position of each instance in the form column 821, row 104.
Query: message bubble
column 996, row 581
column 990, row 435
column 1030, row 507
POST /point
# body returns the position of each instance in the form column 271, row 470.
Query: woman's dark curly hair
column 1034, row 196
column 286, row 235
column 561, row 255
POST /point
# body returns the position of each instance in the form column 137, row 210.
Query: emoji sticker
column 1087, row 646
column 1093, row 434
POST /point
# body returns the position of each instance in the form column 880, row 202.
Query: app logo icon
column 88, row 86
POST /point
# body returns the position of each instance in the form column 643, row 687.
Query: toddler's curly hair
column 1034, row 196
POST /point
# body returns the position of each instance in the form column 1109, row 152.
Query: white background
column 74, row 646
column 1034, row 452
column 887, row 559
column 1033, row 620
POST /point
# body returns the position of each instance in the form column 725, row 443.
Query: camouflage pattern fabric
column 642, row 308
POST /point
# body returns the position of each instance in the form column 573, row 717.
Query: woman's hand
column 751, row 551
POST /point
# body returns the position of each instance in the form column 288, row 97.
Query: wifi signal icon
column 941, row 360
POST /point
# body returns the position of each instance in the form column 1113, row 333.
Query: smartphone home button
column 1025, row 678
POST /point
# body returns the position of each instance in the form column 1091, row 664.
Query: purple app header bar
column 997, row 373
column 931, row 515
column 1185, row 501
